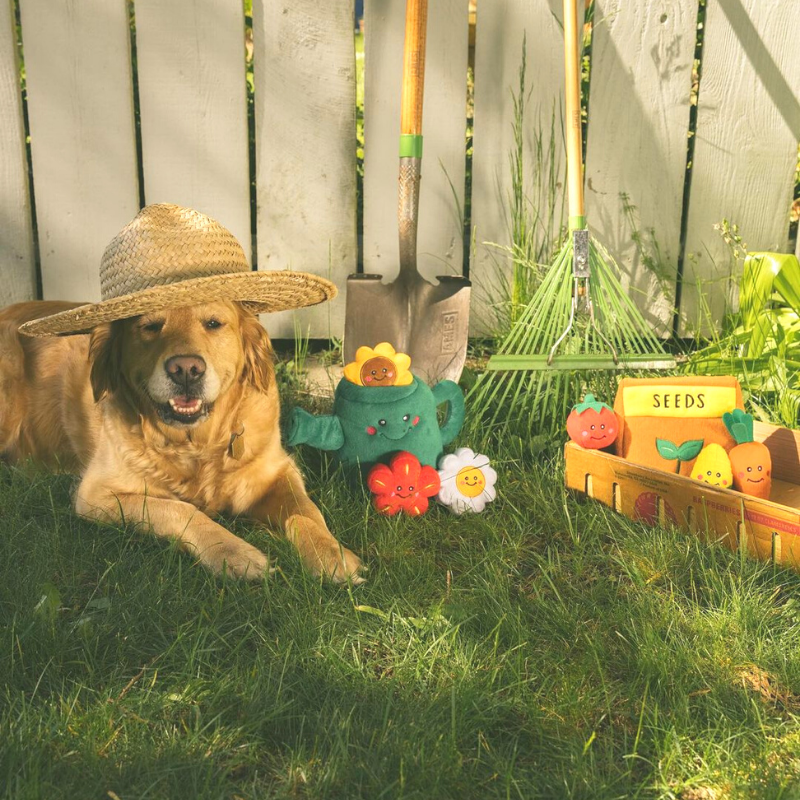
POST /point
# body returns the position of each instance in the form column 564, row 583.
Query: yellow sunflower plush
column 379, row 367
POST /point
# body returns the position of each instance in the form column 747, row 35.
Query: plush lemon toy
column 713, row 466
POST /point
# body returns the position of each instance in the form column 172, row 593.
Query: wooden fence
column 193, row 145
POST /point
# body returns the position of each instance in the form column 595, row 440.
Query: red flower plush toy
column 404, row 485
column 592, row 424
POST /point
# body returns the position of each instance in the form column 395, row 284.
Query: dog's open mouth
column 183, row 410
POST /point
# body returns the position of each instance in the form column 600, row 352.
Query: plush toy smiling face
column 592, row 424
column 751, row 461
column 381, row 366
column 470, row 481
column 369, row 425
column 390, row 427
column 713, row 466
column 404, row 485
column 467, row 481
column 755, row 473
column 378, row 371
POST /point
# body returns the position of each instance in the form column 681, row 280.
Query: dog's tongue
column 185, row 405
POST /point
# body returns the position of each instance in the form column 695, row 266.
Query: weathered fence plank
column 305, row 149
column 18, row 276
column 498, row 53
column 194, row 134
column 80, row 107
column 440, row 237
column 748, row 126
column 192, row 96
column 642, row 56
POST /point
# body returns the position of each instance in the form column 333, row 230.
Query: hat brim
column 262, row 292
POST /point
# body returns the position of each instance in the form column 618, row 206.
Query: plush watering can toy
column 370, row 422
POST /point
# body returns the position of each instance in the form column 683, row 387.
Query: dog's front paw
column 238, row 558
column 339, row 564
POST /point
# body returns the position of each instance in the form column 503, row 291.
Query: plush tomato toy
column 405, row 485
column 592, row 424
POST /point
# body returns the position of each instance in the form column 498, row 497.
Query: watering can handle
column 450, row 393
column 572, row 73
column 414, row 67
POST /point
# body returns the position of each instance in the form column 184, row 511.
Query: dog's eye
column 153, row 327
column 381, row 422
column 407, row 417
column 212, row 324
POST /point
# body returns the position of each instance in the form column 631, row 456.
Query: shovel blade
column 376, row 312
column 439, row 328
column 428, row 322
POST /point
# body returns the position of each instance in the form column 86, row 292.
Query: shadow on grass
column 545, row 648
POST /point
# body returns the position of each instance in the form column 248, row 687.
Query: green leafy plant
column 679, row 452
column 760, row 344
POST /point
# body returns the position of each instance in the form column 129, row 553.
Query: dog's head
column 179, row 362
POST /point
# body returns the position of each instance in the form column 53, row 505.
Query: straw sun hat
column 169, row 257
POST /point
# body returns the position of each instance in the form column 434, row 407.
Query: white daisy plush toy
column 467, row 481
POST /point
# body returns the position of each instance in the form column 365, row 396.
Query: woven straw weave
column 169, row 257
column 165, row 244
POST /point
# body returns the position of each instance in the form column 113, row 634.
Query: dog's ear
column 104, row 359
column 258, row 353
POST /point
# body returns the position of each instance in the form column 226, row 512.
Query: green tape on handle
column 410, row 145
column 577, row 223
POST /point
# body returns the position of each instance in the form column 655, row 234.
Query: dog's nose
column 185, row 369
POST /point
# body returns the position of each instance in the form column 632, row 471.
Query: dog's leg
column 214, row 546
column 12, row 392
column 287, row 504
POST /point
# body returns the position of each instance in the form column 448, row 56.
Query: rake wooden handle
column 414, row 67
column 572, row 73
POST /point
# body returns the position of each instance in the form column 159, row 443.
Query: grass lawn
column 543, row 649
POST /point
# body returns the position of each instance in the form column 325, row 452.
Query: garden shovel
column 429, row 322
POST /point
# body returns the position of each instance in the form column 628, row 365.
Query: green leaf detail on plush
column 667, row 449
column 739, row 425
column 590, row 402
column 690, row 449
column 681, row 453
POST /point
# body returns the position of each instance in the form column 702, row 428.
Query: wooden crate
column 767, row 529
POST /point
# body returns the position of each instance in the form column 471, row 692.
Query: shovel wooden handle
column 572, row 73
column 414, row 67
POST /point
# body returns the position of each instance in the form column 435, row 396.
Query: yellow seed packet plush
column 666, row 422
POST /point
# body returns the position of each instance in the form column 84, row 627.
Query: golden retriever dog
column 170, row 418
